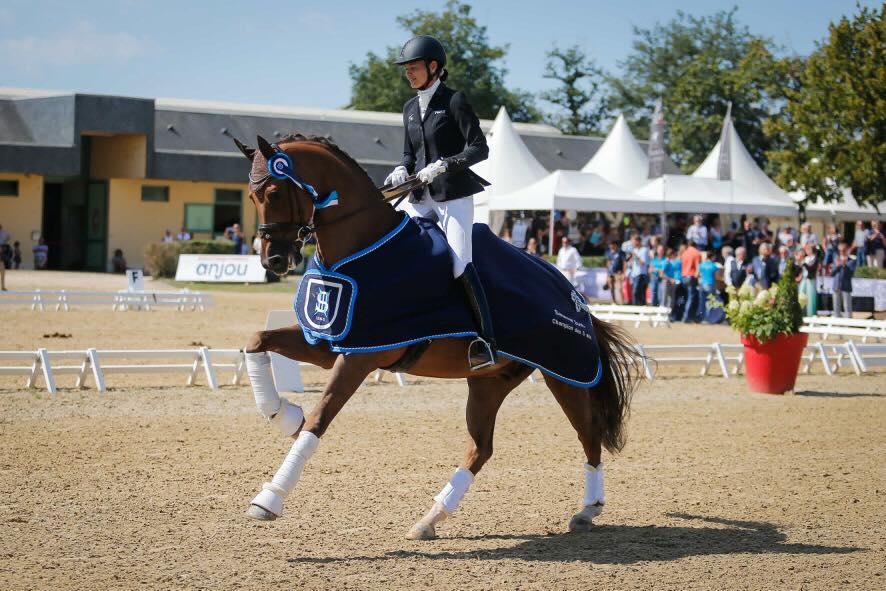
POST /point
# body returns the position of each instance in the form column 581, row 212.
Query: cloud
column 82, row 45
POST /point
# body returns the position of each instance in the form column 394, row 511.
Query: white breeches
column 456, row 218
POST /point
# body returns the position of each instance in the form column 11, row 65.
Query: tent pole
column 551, row 235
column 664, row 228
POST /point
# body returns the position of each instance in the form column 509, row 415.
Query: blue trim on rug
column 434, row 337
column 406, row 219
column 590, row 384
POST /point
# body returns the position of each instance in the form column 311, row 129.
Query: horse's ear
column 265, row 148
column 248, row 152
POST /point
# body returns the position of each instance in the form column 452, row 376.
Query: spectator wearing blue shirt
column 765, row 267
column 707, row 282
column 672, row 279
column 657, row 275
column 844, row 269
column 640, row 260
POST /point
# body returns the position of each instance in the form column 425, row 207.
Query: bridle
column 294, row 232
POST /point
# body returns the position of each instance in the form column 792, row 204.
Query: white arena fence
column 654, row 315
column 851, row 328
column 98, row 363
column 63, row 299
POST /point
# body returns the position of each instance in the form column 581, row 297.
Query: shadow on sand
column 815, row 393
column 621, row 544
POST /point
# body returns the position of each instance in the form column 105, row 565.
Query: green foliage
column 870, row 273
column 589, row 262
column 161, row 258
column 474, row 67
column 579, row 97
column 833, row 129
column 697, row 65
column 206, row 247
column 769, row 312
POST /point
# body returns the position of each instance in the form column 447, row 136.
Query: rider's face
column 417, row 73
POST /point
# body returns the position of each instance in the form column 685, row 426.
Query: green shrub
column 870, row 273
column 161, row 258
column 207, row 247
column 766, row 313
column 594, row 261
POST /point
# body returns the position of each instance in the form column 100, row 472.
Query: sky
column 297, row 53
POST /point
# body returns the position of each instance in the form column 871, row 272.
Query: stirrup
column 485, row 357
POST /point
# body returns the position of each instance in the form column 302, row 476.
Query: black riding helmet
column 422, row 47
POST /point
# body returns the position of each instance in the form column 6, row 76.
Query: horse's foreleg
column 576, row 404
column 289, row 342
column 485, row 397
column 348, row 372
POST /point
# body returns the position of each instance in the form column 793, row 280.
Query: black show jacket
column 449, row 131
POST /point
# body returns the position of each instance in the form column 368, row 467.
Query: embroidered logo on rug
column 324, row 304
column 580, row 303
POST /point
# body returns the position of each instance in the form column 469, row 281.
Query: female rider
column 443, row 138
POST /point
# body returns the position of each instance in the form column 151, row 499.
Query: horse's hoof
column 583, row 520
column 260, row 513
column 422, row 531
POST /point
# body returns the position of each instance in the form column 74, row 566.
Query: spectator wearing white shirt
column 183, row 235
column 697, row 233
column 807, row 236
column 568, row 259
column 167, row 237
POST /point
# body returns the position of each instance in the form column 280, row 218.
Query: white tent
column 575, row 190
column 678, row 193
column 741, row 167
column 847, row 209
column 510, row 165
column 620, row 160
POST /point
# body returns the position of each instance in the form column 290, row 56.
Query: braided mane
column 298, row 137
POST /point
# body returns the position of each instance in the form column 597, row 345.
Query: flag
column 656, row 142
column 724, row 163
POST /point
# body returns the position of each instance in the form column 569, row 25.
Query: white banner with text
column 220, row 268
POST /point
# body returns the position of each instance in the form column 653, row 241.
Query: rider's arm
column 408, row 161
column 476, row 149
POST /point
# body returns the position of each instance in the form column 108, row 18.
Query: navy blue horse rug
column 400, row 291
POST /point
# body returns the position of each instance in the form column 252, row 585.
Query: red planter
column 771, row 367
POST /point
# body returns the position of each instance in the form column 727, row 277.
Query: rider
column 443, row 136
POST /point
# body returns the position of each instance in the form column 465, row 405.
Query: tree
column 579, row 96
column 833, row 133
column 474, row 67
column 697, row 65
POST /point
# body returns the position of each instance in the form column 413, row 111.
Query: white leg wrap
column 284, row 415
column 258, row 366
column 455, row 489
column 272, row 493
column 594, row 493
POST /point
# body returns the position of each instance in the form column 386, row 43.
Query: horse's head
column 285, row 201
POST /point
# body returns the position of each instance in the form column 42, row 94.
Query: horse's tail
column 611, row 397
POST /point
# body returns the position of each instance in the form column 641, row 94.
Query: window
column 198, row 217
column 228, row 209
column 8, row 188
column 155, row 193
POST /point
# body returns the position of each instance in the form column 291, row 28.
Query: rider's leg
column 457, row 220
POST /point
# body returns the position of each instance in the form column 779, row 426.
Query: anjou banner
column 220, row 268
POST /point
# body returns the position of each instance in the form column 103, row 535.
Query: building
column 93, row 173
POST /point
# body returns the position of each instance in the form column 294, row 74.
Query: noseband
column 292, row 232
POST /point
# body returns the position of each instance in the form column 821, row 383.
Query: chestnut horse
column 291, row 208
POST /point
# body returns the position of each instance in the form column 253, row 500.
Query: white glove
column 397, row 177
column 432, row 171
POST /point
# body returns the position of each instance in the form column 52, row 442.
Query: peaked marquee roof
column 743, row 169
column 620, row 160
column 510, row 165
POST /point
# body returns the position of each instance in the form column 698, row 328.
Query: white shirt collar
column 429, row 91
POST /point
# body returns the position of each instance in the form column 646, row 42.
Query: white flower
column 733, row 306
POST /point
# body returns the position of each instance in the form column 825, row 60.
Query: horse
column 292, row 208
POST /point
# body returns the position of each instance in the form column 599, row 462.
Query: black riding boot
column 481, row 352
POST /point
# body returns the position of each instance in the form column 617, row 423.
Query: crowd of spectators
column 698, row 261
